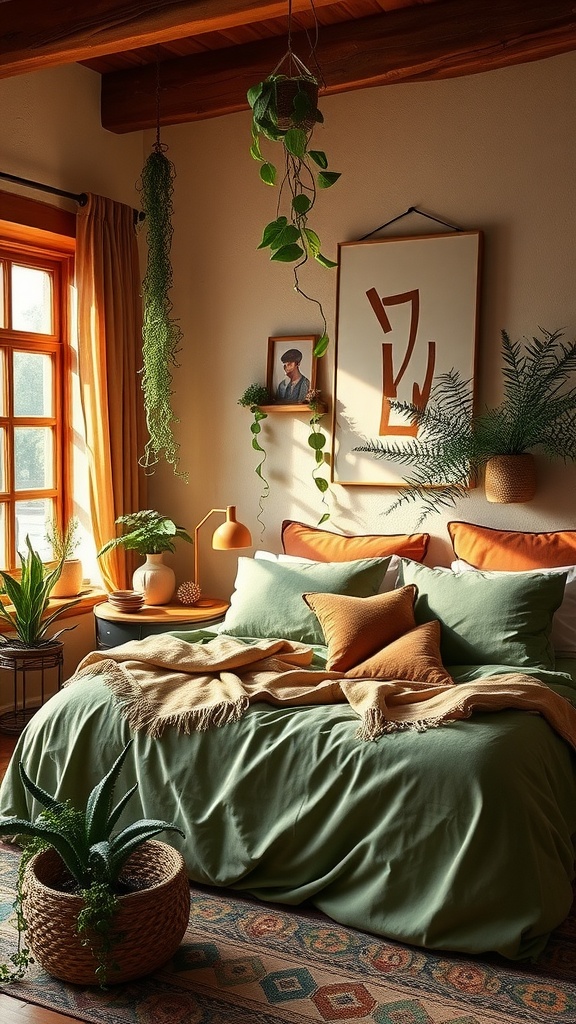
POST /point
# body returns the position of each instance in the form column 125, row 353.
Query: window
column 35, row 399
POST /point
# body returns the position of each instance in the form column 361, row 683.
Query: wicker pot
column 510, row 479
column 286, row 90
column 151, row 921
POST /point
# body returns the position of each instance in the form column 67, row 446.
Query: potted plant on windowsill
column 150, row 535
column 285, row 111
column 95, row 905
column 455, row 446
column 63, row 541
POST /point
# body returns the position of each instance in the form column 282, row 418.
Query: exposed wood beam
column 433, row 41
column 35, row 34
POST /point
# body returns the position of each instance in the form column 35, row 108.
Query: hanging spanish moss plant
column 160, row 333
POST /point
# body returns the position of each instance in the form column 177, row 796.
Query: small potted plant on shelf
column 455, row 446
column 150, row 535
column 285, row 111
column 255, row 396
column 95, row 905
column 64, row 541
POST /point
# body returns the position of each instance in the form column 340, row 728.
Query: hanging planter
column 510, row 479
column 161, row 334
column 285, row 111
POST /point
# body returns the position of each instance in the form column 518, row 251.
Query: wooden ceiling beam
column 35, row 34
column 433, row 41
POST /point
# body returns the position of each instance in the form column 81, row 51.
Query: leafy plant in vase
column 150, row 535
column 285, row 111
column 455, row 446
column 94, row 904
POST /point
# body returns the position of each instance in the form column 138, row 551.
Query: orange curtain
column 109, row 346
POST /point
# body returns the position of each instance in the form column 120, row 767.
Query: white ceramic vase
column 155, row 580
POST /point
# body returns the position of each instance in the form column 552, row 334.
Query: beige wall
column 494, row 152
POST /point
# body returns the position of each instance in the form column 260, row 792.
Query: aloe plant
column 92, row 851
column 29, row 596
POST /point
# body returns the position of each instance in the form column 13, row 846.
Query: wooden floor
column 12, row 1009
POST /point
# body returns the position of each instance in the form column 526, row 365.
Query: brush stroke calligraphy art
column 407, row 312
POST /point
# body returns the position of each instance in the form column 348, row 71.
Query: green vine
column 255, row 396
column 160, row 333
column 317, row 442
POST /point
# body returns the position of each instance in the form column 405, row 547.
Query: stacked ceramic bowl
column 128, row 601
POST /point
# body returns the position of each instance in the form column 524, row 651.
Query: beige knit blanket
column 164, row 681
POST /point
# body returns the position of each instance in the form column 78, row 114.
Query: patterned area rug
column 242, row 961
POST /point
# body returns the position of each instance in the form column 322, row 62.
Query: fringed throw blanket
column 164, row 681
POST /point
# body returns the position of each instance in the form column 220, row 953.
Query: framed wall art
column 291, row 370
column 407, row 311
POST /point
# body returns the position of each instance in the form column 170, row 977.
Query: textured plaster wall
column 494, row 152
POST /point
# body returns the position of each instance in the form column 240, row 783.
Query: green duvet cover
column 457, row 838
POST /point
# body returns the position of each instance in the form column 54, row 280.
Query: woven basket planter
column 286, row 90
column 150, row 921
column 510, row 479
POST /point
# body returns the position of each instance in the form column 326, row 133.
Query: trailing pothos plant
column 93, row 853
column 254, row 396
column 285, row 111
column 317, row 442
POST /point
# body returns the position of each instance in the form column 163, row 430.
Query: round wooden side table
column 114, row 627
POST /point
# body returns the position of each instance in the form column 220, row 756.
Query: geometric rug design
column 245, row 961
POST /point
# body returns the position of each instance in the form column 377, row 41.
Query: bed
column 453, row 835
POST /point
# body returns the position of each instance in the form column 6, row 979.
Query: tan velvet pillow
column 356, row 627
column 414, row 657
column 511, row 550
column 325, row 546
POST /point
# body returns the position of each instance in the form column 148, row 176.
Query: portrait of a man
column 295, row 386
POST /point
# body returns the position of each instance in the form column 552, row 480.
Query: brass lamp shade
column 231, row 534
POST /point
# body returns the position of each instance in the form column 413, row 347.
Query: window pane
column 31, row 300
column 2, row 465
column 32, row 384
column 3, row 357
column 32, row 458
column 31, row 519
column 2, row 323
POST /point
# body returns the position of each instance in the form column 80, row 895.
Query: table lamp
column 229, row 535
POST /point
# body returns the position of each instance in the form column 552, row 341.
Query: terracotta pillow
column 355, row 628
column 325, row 546
column 512, row 550
column 414, row 657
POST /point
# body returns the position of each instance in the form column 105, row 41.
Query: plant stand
column 20, row 662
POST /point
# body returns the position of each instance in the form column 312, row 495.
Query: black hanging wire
column 411, row 209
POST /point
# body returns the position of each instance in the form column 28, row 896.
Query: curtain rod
column 79, row 197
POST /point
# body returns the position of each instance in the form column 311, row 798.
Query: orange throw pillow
column 414, row 657
column 512, row 550
column 325, row 546
column 356, row 627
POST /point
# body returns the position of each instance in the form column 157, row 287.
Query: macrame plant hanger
column 411, row 209
column 161, row 334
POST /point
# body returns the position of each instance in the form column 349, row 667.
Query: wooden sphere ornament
column 188, row 593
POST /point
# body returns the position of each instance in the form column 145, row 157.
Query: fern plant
column 453, row 446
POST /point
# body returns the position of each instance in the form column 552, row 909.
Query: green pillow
column 267, row 600
column 487, row 619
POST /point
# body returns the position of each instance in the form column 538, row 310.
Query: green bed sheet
column 458, row 838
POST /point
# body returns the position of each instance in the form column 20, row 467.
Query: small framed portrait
column 291, row 369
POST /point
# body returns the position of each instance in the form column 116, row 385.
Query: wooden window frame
column 35, row 234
